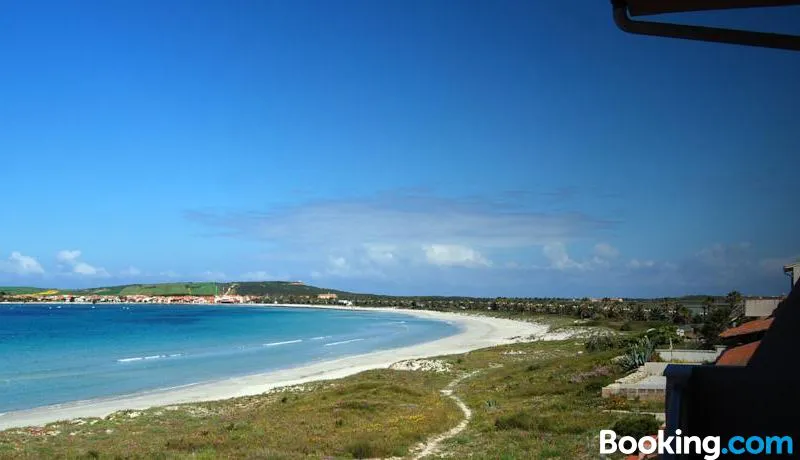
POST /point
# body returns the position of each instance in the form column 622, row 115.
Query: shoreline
column 477, row 332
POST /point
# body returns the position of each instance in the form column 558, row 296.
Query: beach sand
column 476, row 332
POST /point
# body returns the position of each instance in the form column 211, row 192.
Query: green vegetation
column 266, row 289
column 720, row 317
column 281, row 288
column 20, row 290
column 663, row 335
column 373, row 414
column 203, row 289
column 545, row 403
column 529, row 400
column 637, row 426
column 637, row 354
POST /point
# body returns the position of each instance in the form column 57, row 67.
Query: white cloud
column 454, row 255
column 131, row 271
column 339, row 262
column 210, row 275
column 78, row 267
column 603, row 257
column 381, row 253
column 20, row 264
column 355, row 265
column 402, row 221
column 339, row 266
column 725, row 255
column 559, row 259
column 605, row 251
column 82, row 268
column 402, row 240
column 776, row 264
column 388, row 235
column 636, row 264
column 68, row 256
column 259, row 275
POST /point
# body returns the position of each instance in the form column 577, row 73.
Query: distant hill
column 161, row 289
column 263, row 288
column 250, row 288
column 21, row 290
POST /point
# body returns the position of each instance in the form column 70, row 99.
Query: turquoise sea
column 52, row 354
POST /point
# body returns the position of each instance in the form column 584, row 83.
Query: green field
column 20, row 290
column 170, row 289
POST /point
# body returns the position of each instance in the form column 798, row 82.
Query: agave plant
column 637, row 354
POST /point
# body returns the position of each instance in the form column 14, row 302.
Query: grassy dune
column 536, row 400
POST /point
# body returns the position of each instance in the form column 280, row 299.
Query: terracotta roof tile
column 738, row 356
column 748, row 328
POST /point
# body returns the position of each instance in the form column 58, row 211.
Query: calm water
column 52, row 355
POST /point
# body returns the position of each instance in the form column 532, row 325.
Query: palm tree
column 733, row 299
column 682, row 315
column 707, row 305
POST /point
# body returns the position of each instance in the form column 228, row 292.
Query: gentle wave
column 274, row 344
column 322, row 337
column 151, row 357
column 342, row 342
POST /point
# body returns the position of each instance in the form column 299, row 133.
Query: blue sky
column 414, row 147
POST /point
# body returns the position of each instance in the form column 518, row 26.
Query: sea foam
column 148, row 358
column 342, row 342
column 275, row 344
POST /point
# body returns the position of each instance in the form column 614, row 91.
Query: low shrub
column 554, row 424
column 361, row 405
column 637, row 426
column 664, row 335
column 364, row 448
column 533, row 367
column 602, row 343
column 516, row 421
column 616, row 402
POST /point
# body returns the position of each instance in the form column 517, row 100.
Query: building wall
column 795, row 272
column 759, row 307
column 688, row 356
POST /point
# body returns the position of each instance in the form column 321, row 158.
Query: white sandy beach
column 476, row 332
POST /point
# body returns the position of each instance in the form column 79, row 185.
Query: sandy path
column 476, row 332
column 431, row 446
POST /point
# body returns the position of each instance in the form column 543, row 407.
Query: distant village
column 166, row 299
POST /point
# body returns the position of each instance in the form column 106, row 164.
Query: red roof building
column 752, row 327
column 738, row 356
column 744, row 341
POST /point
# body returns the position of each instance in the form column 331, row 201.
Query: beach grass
column 372, row 414
column 528, row 400
column 538, row 400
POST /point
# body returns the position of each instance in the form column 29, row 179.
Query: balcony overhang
column 625, row 10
